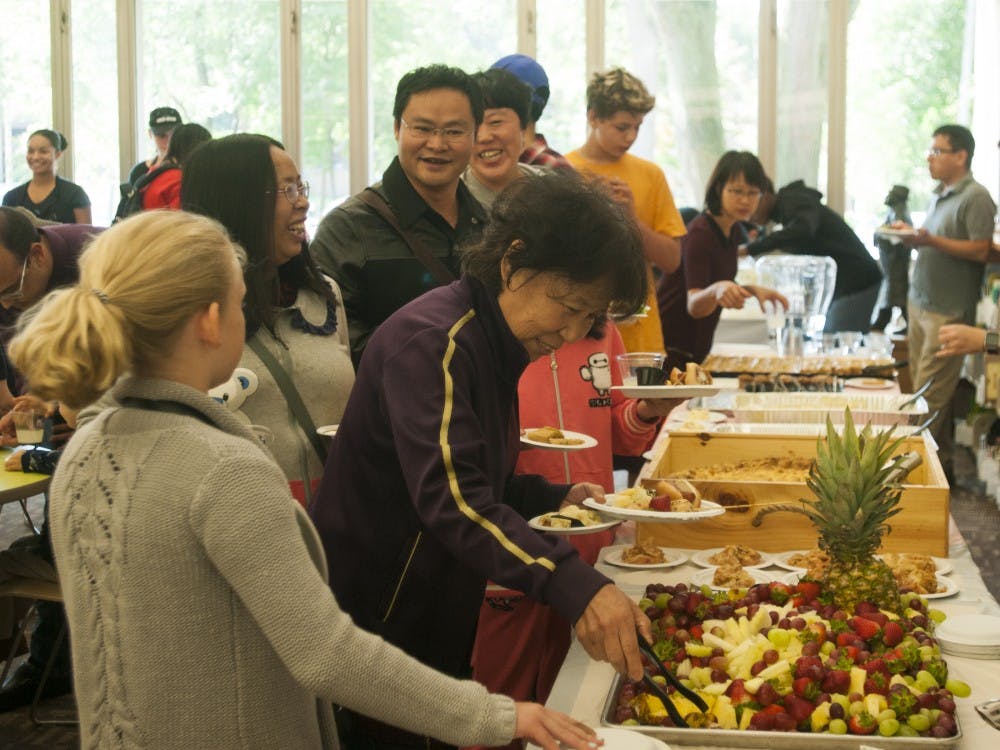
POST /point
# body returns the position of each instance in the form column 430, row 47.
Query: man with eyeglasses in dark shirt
column 34, row 260
column 378, row 265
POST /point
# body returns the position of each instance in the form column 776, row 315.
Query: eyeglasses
column 18, row 293
column 751, row 194
column 292, row 192
column 426, row 132
column 939, row 151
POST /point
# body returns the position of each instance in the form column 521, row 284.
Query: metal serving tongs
column 917, row 394
column 691, row 695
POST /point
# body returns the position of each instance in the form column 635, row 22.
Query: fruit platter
column 778, row 662
column 841, row 658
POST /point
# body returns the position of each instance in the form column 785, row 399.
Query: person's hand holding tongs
column 655, row 663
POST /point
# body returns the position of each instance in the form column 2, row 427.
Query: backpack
column 131, row 201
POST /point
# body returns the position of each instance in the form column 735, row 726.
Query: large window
column 892, row 116
column 25, row 81
column 699, row 58
column 95, row 123
column 407, row 35
column 562, row 51
column 218, row 63
column 802, row 119
column 325, row 135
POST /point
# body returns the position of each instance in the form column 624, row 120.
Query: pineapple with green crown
column 856, row 495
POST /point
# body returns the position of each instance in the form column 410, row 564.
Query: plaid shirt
column 539, row 154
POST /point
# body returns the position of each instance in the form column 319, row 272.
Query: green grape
column 905, row 730
column 888, row 728
column 919, row 722
column 837, row 726
column 661, row 601
column 937, row 615
column 958, row 688
column 885, row 715
column 645, row 603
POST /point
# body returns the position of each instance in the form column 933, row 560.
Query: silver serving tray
column 772, row 740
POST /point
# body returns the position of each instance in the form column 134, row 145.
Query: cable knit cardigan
column 196, row 594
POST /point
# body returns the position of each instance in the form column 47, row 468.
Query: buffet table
column 583, row 684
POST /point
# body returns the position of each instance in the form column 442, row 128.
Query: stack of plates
column 971, row 636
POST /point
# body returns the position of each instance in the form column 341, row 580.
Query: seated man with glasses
column 809, row 227
column 400, row 237
column 34, row 260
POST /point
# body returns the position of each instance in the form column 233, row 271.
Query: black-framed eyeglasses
column 939, row 151
column 293, row 192
column 426, row 132
column 18, row 293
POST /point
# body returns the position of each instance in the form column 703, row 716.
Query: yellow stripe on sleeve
column 456, row 491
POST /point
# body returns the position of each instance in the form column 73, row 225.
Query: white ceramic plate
column 613, row 556
column 626, row 739
column 972, row 631
column 869, row 384
column 781, row 560
column 666, row 391
column 942, row 565
column 327, row 430
column 588, row 441
column 890, row 232
column 946, row 588
column 704, row 577
column 536, row 524
column 709, row 510
column 701, row 558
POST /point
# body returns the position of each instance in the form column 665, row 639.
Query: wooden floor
column 976, row 515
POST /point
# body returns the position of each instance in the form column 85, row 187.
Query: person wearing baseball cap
column 162, row 122
column 533, row 74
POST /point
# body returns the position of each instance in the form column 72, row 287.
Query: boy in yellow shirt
column 617, row 103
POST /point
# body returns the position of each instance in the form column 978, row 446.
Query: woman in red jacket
column 161, row 188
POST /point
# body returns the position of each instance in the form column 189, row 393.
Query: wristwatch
column 992, row 343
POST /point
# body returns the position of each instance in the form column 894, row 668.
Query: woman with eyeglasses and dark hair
column 692, row 298
column 47, row 195
column 297, row 344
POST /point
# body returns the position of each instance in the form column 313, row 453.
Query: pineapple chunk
column 858, row 677
column 745, row 717
column 649, row 708
column 713, row 641
column 724, row 713
column 820, row 717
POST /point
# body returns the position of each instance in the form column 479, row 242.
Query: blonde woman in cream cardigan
column 194, row 584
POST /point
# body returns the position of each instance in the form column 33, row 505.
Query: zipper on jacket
column 559, row 412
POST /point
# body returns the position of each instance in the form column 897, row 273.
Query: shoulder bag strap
column 438, row 269
column 295, row 403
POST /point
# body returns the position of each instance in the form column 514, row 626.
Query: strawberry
column 798, row 708
column 696, row 631
column 865, row 628
column 880, row 617
column 877, row 664
column 805, row 665
column 877, row 682
column 836, row 681
column 780, row 592
column 864, row 607
column 892, row 633
column 815, row 631
column 806, row 687
column 847, row 638
column 660, row 503
column 738, row 693
column 862, row 723
column 809, row 589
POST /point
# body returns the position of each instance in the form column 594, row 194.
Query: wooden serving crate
column 921, row 526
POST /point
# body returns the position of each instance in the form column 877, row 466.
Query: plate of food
column 904, row 561
column 802, row 561
column 555, row 439
column 666, row 391
column 887, row 231
column 643, row 557
column 945, row 587
column 730, row 577
column 571, row 520
column 870, row 384
column 732, row 554
column 708, row 509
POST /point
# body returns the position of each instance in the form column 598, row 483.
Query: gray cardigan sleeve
column 260, row 540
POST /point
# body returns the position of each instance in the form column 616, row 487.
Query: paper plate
column 704, row 577
column 536, row 524
column 588, row 441
column 709, row 510
column 613, row 556
column 700, row 558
